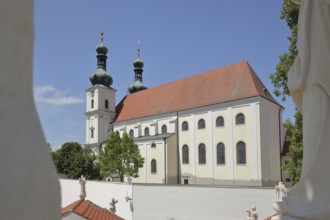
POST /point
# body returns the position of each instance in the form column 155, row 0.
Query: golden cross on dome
column 138, row 49
column 102, row 36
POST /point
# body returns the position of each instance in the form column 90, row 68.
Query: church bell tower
column 100, row 102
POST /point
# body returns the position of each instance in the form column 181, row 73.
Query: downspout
column 280, row 135
column 177, row 148
column 165, row 164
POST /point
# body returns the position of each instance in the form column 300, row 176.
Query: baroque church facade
column 221, row 127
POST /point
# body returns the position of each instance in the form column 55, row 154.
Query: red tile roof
column 229, row 83
column 89, row 210
column 270, row 217
column 286, row 147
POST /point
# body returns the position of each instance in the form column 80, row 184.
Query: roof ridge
column 263, row 93
column 74, row 205
column 192, row 76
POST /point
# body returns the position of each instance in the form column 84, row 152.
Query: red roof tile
column 270, row 217
column 229, row 83
column 89, row 210
column 286, row 147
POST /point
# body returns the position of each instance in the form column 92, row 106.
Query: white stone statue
column 82, row 182
column 309, row 84
column 29, row 187
column 252, row 213
column 113, row 205
column 281, row 191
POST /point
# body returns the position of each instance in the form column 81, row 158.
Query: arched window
column 106, row 104
column 221, row 154
column 153, row 166
column 185, row 154
column 92, row 103
column 185, row 126
column 153, row 145
column 201, row 124
column 164, row 129
column 92, row 132
column 131, row 133
column 219, row 122
column 201, row 154
column 146, row 131
column 240, row 119
column 241, row 153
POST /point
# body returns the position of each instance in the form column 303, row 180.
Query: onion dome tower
column 138, row 69
column 100, row 76
column 100, row 102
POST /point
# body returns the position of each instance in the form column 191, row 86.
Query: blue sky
column 178, row 39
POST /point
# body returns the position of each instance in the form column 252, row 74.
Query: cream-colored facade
column 260, row 133
column 221, row 127
column 100, row 112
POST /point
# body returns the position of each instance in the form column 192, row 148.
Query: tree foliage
column 73, row 160
column 290, row 13
column 120, row 157
column 294, row 136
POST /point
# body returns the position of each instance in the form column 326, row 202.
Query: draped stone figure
column 252, row 213
column 309, row 84
column 29, row 188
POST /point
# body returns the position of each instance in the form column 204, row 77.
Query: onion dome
column 101, row 76
column 101, row 49
column 137, row 86
column 138, row 69
column 138, row 63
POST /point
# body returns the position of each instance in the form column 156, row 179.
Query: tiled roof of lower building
column 89, row 210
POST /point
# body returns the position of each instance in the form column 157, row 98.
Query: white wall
column 199, row 203
column 180, row 202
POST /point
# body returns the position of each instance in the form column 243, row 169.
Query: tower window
column 106, row 104
column 92, row 103
column 164, row 129
column 201, row 124
column 92, row 132
column 185, row 126
column 153, row 145
column 153, row 166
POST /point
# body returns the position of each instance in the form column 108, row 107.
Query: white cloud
column 48, row 94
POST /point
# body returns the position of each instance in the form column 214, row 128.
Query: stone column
column 29, row 188
column 309, row 84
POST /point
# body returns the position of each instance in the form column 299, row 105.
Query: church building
column 220, row 127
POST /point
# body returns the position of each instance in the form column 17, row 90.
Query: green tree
column 294, row 136
column 73, row 160
column 120, row 157
column 290, row 12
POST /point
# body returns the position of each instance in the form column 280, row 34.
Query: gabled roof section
column 229, row 83
column 286, row 147
column 89, row 210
